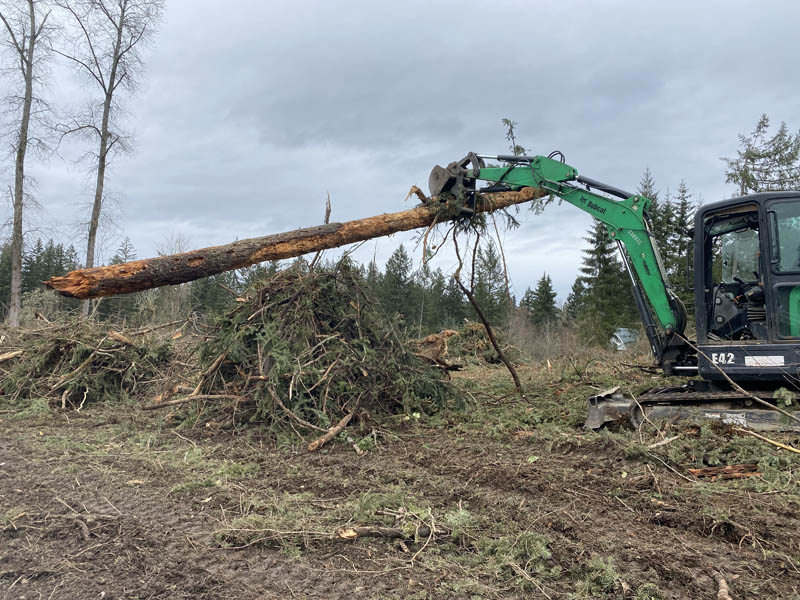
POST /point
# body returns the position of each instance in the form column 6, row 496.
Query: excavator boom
column 624, row 215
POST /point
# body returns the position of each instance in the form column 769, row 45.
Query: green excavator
column 745, row 353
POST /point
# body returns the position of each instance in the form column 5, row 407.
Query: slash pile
column 78, row 363
column 311, row 347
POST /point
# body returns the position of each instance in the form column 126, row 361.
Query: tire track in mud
column 585, row 507
column 92, row 533
column 145, row 542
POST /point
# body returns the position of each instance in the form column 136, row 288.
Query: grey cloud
column 253, row 111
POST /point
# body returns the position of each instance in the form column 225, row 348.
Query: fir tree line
column 42, row 261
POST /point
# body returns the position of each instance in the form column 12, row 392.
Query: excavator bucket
column 457, row 178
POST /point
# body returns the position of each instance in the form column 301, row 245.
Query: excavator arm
column 624, row 216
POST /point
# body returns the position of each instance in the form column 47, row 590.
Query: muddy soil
column 116, row 503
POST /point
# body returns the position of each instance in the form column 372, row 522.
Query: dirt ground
column 506, row 498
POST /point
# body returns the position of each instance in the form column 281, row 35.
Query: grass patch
column 601, row 578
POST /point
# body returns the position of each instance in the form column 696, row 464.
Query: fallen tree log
column 173, row 269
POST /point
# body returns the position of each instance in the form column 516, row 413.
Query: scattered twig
column 663, row 442
column 297, row 419
column 727, row 471
column 418, row 533
column 10, row 355
column 723, row 593
column 120, row 338
column 333, row 431
column 766, row 439
column 191, row 398
column 212, row 367
column 522, row 573
column 64, row 379
column 353, row 533
column 670, row 467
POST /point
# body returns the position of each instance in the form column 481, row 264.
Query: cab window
column 784, row 219
column 734, row 293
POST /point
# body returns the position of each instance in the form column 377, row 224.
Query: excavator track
column 686, row 403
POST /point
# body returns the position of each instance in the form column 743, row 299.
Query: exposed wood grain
column 150, row 273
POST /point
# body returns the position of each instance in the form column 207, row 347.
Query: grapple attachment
column 458, row 178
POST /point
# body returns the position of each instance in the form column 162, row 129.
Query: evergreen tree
column 647, row 188
column 253, row 275
column 765, row 163
column 543, row 309
column 575, row 301
column 661, row 212
column 453, row 305
column 33, row 272
column 373, row 278
column 490, row 290
column 71, row 259
column 679, row 239
column 394, row 289
column 214, row 294
column 433, row 296
column 608, row 302
column 5, row 279
column 120, row 308
column 527, row 303
column 125, row 252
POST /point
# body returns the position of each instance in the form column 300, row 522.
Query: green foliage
column 679, row 268
column 607, row 302
column 453, row 309
column 489, row 286
column 395, row 284
column 78, row 363
column 318, row 342
column 120, row 308
column 765, row 162
column 575, row 301
column 39, row 262
column 648, row 591
column 462, row 524
column 276, row 521
column 601, row 577
column 515, row 148
column 528, row 550
column 540, row 304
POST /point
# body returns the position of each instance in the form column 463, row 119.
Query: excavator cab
column 747, row 288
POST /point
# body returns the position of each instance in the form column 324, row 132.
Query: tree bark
column 26, row 58
column 102, row 155
column 187, row 266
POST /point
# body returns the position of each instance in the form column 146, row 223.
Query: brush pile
column 78, row 363
column 472, row 346
column 310, row 348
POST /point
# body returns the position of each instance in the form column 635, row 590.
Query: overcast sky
column 252, row 111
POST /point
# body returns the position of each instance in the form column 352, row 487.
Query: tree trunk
column 102, row 156
column 187, row 266
column 26, row 58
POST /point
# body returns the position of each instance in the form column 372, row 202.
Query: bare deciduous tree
column 108, row 37
column 27, row 30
